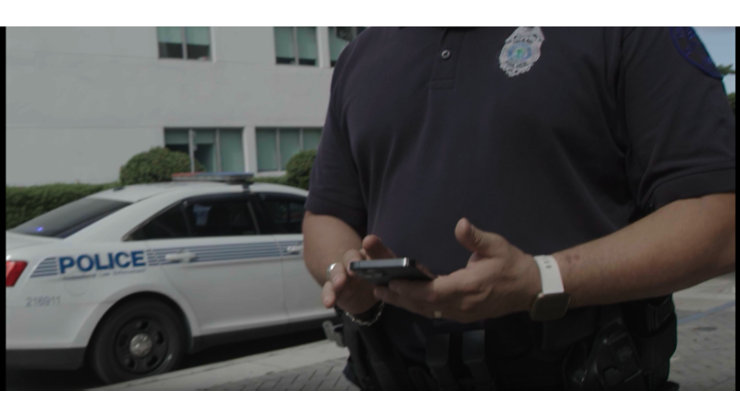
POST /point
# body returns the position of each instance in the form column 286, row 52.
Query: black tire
column 139, row 338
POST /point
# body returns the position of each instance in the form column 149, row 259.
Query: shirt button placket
column 443, row 73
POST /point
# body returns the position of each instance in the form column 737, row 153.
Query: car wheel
column 137, row 339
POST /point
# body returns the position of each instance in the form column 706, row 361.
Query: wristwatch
column 552, row 301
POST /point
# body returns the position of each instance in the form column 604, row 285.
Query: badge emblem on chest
column 521, row 50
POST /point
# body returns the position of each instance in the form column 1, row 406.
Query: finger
column 375, row 248
column 420, row 297
column 413, row 305
column 478, row 241
column 436, row 292
column 337, row 276
column 328, row 296
column 349, row 257
column 425, row 270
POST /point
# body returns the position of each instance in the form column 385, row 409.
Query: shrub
column 731, row 99
column 156, row 165
column 298, row 169
column 272, row 180
column 25, row 203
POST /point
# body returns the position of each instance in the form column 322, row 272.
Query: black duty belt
column 624, row 346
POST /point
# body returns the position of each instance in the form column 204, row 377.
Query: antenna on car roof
column 244, row 178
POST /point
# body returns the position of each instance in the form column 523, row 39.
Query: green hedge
column 155, row 165
column 298, row 169
column 25, row 203
column 282, row 180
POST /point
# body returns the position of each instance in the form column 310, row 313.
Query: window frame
column 277, row 144
column 216, row 144
column 184, row 46
column 182, row 206
column 296, row 52
column 265, row 221
column 129, row 236
column 221, row 197
column 355, row 30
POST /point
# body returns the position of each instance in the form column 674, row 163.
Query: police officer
column 559, row 183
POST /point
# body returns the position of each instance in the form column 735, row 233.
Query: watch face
column 549, row 306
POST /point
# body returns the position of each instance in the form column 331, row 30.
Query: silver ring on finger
column 329, row 269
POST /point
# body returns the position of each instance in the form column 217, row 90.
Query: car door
column 282, row 215
column 211, row 251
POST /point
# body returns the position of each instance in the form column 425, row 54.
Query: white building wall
column 81, row 101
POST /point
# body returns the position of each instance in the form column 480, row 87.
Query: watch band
column 552, row 282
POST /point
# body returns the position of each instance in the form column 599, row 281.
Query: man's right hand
column 348, row 292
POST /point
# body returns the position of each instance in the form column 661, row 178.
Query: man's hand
column 499, row 279
column 352, row 294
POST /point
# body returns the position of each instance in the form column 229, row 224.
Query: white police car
column 131, row 279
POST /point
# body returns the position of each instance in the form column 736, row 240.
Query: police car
column 131, row 279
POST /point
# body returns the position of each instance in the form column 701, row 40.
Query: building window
column 276, row 146
column 184, row 43
column 339, row 37
column 218, row 150
column 296, row 46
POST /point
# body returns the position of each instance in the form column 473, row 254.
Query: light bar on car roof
column 227, row 177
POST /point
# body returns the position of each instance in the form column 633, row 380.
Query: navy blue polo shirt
column 550, row 137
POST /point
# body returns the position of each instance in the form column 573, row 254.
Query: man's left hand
column 499, row 279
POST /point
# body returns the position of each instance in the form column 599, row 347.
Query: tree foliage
column 725, row 70
column 298, row 168
column 731, row 98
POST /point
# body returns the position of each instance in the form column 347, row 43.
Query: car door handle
column 294, row 250
column 179, row 257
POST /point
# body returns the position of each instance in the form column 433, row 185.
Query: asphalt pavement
column 704, row 359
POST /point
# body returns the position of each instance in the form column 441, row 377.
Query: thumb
column 477, row 241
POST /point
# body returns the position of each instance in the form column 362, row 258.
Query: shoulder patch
column 689, row 45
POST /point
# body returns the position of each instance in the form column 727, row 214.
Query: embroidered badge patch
column 521, row 50
column 689, row 45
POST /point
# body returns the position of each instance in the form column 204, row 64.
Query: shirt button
column 445, row 54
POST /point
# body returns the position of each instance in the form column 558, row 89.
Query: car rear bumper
column 54, row 359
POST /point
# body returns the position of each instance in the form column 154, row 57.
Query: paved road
column 704, row 358
column 82, row 379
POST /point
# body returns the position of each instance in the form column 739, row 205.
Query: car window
column 220, row 217
column 70, row 218
column 284, row 214
column 167, row 225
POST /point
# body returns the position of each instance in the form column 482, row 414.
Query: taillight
column 13, row 270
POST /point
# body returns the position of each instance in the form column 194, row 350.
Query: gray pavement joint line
column 699, row 315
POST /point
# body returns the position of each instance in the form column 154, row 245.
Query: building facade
column 82, row 101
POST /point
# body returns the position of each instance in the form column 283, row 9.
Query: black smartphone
column 381, row 271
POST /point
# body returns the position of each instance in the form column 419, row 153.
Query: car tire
column 137, row 339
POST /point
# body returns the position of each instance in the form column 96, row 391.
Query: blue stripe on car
column 48, row 267
column 211, row 253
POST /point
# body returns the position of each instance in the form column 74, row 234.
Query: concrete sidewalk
column 704, row 358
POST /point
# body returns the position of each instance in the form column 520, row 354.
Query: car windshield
column 70, row 218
